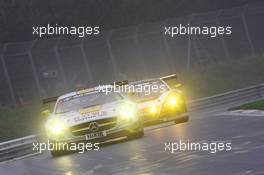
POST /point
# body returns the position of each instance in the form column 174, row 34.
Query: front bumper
column 118, row 131
column 163, row 115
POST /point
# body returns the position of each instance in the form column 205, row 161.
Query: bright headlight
column 172, row 101
column 128, row 111
column 153, row 109
column 56, row 127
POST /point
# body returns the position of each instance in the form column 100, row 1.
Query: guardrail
column 24, row 146
column 249, row 93
column 17, row 148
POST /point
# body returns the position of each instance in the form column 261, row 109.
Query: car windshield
column 147, row 90
column 85, row 100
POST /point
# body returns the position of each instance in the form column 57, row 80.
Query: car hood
column 92, row 113
column 146, row 104
column 152, row 102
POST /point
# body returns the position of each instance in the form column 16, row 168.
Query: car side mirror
column 45, row 113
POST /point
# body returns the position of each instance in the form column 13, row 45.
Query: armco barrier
column 253, row 92
column 23, row 146
column 17, row 148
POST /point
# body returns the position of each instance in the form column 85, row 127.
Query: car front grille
column 86, row 128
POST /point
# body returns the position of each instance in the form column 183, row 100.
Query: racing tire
column 139, row 132
column 136, row 135
column 182, row 120
column 56, row 153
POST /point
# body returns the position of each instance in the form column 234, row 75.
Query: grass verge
column 258, row 105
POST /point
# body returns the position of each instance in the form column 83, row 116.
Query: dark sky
column 18, row 16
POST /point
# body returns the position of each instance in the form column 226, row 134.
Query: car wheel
column 56, row 153
column 182, row 120
column 136, row 135
column 139, row 134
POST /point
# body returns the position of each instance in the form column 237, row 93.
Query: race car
column 159, row 99
column 92, row 115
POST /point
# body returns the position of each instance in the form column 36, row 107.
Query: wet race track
column 148, row 155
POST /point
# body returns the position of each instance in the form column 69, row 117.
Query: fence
column 44, row 68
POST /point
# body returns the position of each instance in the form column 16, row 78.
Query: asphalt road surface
column 148, row 156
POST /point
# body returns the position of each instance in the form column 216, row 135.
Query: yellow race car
column 159, row 99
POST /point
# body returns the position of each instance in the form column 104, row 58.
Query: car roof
column 82, row 91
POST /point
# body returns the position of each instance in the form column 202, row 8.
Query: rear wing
column 172, row 76
column 172, row 81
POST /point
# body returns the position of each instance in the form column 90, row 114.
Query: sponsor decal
column 89, row 116
column 88, row 110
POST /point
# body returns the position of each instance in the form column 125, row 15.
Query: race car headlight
column 128, row 111
column 173, row 100
column 153, row 109
column 56, row 127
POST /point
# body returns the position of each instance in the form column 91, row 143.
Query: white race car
column 161, row 99
column 92, row 115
